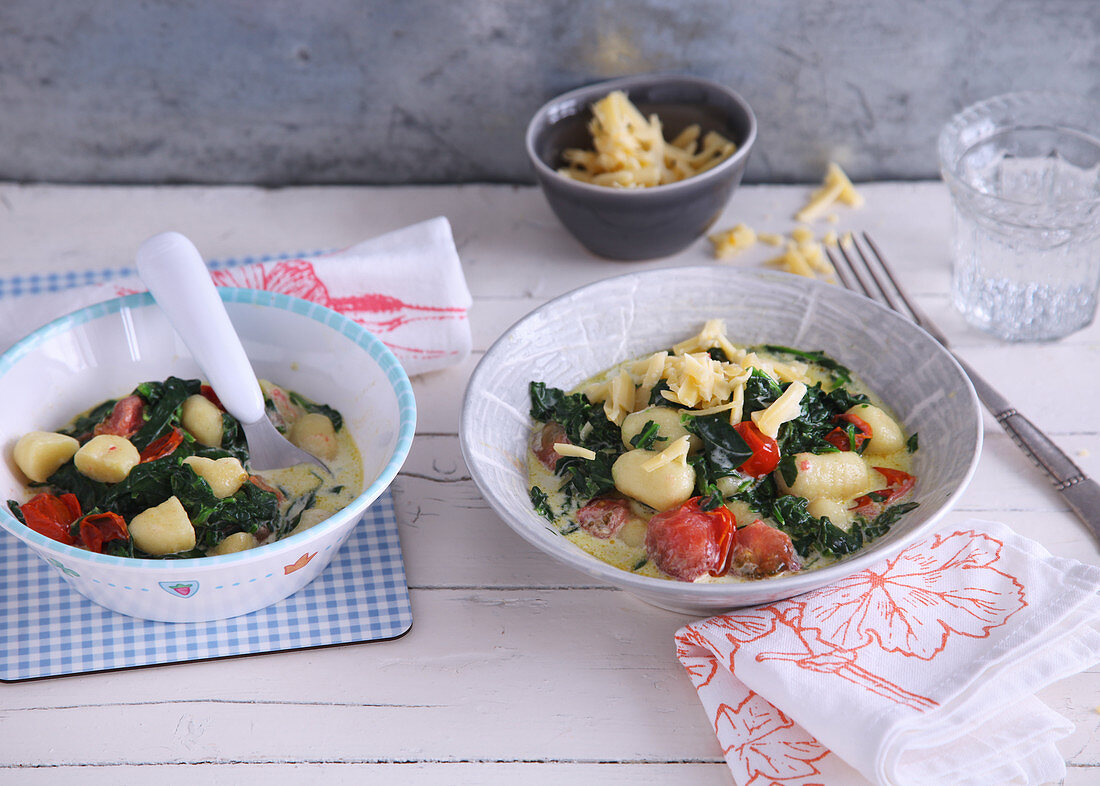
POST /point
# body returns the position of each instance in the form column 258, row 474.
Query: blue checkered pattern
column 37, row 283
column 47, row 629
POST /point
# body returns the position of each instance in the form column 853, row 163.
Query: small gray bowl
column 641, row 223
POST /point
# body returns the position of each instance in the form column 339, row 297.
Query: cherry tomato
column 551, row 434
column 765, row 450
column 162, row 446
column 209, row 394
column 760, row 550
column 98, row 528
column 604, row 516
column 898, row 485
column 838, row 437
column 687, row 542
column 50, row 515
column 125, row 419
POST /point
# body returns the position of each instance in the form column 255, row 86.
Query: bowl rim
column 538, row 121
column 714, row 593
column 347, row 327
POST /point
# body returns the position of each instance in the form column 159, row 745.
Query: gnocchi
column 202, row 418
column 713, row 462
column 661, row 488
column 314, row 433
column 39, row 454
column 225, row 475
column 163, row 529
column 173, row 471
column 107, row 458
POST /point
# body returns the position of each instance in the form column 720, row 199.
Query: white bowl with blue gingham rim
column 104, row 350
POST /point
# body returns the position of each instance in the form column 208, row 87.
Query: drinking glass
column 1023, row 170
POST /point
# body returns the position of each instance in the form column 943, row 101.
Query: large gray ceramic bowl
column 588, row 330
column 641, row 223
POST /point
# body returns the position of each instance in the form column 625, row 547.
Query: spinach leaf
column 806, row 433
column 162, row 410
column 839, row 375
column 911, row 443
column 233, row 441
column 761, row 391
column 724, row 449
column 809, row 534
column 542, row 504
column 655, row 397
column 584, row 424
column 293, row 516
column 645, row 438
column 13, row 506
column 90, row 493
column 586, row 478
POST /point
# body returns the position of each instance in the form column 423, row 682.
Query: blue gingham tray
column 49, row 630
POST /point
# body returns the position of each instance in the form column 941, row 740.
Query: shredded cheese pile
column 700, row 383
column 631, row 151
column 803, row 254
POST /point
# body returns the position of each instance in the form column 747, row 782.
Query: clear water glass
column 1023, row 171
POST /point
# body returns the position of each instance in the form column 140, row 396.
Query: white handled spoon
column 173, row 270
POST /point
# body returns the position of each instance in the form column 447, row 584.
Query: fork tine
column 854, row 265
column 912, row 308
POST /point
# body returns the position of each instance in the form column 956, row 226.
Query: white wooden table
column 517, row 670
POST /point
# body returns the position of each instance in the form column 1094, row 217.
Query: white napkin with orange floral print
column 919, row 670
column 406, row 287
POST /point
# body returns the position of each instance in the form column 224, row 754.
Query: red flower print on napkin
column 916, row 601
column 378, row 312
column 769, row 745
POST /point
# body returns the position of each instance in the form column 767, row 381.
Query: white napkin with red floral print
column 406, row 287
column 919, row 670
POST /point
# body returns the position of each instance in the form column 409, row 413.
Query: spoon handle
column 173, row 270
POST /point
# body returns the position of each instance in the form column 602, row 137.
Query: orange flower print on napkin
column 916, row 603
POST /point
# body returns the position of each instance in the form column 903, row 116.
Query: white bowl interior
column 588, row 330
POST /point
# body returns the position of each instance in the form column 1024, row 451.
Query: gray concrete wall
column 339, row 91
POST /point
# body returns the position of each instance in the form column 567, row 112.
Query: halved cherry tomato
column 604, row 516
column 765, row 450
column 125, row 419
column 209, row 394
column 162, row 446
column 760, row 550
column 98, row 528
column 898, row 485
column 50, row 515
column 543, row 445
column 838, row 437
column 687, row 542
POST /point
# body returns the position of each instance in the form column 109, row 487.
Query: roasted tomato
column 760, row 551
column 209, row 394
column 765, row 450
column 898, row 485
column 52, row 516
column 125, row 419
column 162, row 446
column 838, row 437
column 551, row 434
column 687, row 542
column 98, row 528
column 604, row 516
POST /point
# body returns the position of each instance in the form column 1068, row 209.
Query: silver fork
column 861, row 267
